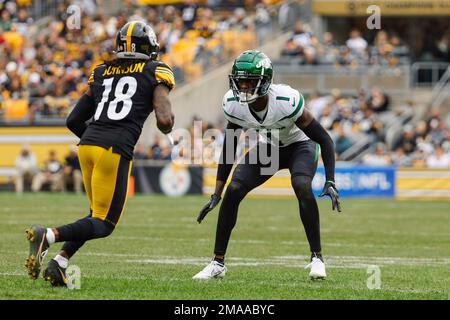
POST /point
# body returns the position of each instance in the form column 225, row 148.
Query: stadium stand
column 364, row 87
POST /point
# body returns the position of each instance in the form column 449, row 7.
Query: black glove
column 330, row 190
column 212, row 203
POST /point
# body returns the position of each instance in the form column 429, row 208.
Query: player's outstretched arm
column 163, row 109
column 317, row 133
column 223, row 171
column 83, row 111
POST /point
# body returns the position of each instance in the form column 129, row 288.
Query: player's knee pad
column 302, row 186
column 236, row 191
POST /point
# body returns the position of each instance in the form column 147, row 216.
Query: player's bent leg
column 234, row 194
column 309, row 214
column 85, row 229
column 309, row 211
column 109, row 186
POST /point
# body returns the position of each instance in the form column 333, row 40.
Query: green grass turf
column 158, row 247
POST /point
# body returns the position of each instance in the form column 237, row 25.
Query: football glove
column 329, row 189
column 212, row 203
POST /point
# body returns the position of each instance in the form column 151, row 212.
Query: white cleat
column 213, row 270
column 317, row 269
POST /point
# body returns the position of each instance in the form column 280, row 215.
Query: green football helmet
column 252, row 66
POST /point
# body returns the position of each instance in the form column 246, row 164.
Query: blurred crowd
column 368, row 116
column 386, row 49
column 348, row 120
column 45, row 69
column 53, row 175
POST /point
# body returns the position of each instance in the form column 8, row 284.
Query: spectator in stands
column 401, row 159
column 263, row 23
column 316, row 103
column 378, row 158
column 26, row 168
column 310, row 55
column 328, row 118
column 50, row 174
column 356, row 43
column 400, row 50
column 22, row 21
column 300, row 40
column 139, row 153
column 241, row 21
column 5, row 20
column 189, row 13
column 71, row 174
column 439, row 159
column 288, row 13
column 224, row 20
column 328, row 49
column 154, row 151
column 441, row 49
column 437, row 133
column 342, row 142
column 166, row 150
column 378, row 100
column 407, row 141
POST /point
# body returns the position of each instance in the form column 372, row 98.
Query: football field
column 374, row 249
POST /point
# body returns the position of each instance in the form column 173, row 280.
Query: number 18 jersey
column 123, row 98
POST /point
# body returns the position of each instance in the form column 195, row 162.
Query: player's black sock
column 71, row 247
column 228, row 215
column 317, row 255
column 309, row 212
column 85, row 229
column 220, row 260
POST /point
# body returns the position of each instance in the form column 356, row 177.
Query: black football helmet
column 136, row 40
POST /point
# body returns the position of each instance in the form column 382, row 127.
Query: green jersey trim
column 297, row 110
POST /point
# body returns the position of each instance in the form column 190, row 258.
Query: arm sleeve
column 165, row 75
column 83, row 111
column 318, row 134
column 224, row 168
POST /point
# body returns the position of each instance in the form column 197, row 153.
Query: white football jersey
column 285, row 106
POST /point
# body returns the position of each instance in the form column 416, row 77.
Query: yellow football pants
column 105, row 177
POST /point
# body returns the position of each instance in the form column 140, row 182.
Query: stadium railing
column 427, row 74
column 441, row 90
column 324, row 78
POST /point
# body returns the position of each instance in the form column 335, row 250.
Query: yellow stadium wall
column 40, row 139
column 423, row 184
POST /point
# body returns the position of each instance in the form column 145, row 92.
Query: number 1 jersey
column 124, row 99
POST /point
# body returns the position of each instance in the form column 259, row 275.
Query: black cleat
column 55, row 274
column 38, row 249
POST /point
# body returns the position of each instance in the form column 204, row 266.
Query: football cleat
column 317, row 268
column 213, row 270
column 38, row 249
column 55, row 274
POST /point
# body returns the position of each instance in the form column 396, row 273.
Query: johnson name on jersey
column 285, row 106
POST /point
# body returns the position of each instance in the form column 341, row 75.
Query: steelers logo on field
column 174, row 180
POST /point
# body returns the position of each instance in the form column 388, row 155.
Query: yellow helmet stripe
column 129, row 32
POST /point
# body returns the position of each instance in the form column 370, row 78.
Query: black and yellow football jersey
column 123, row 98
